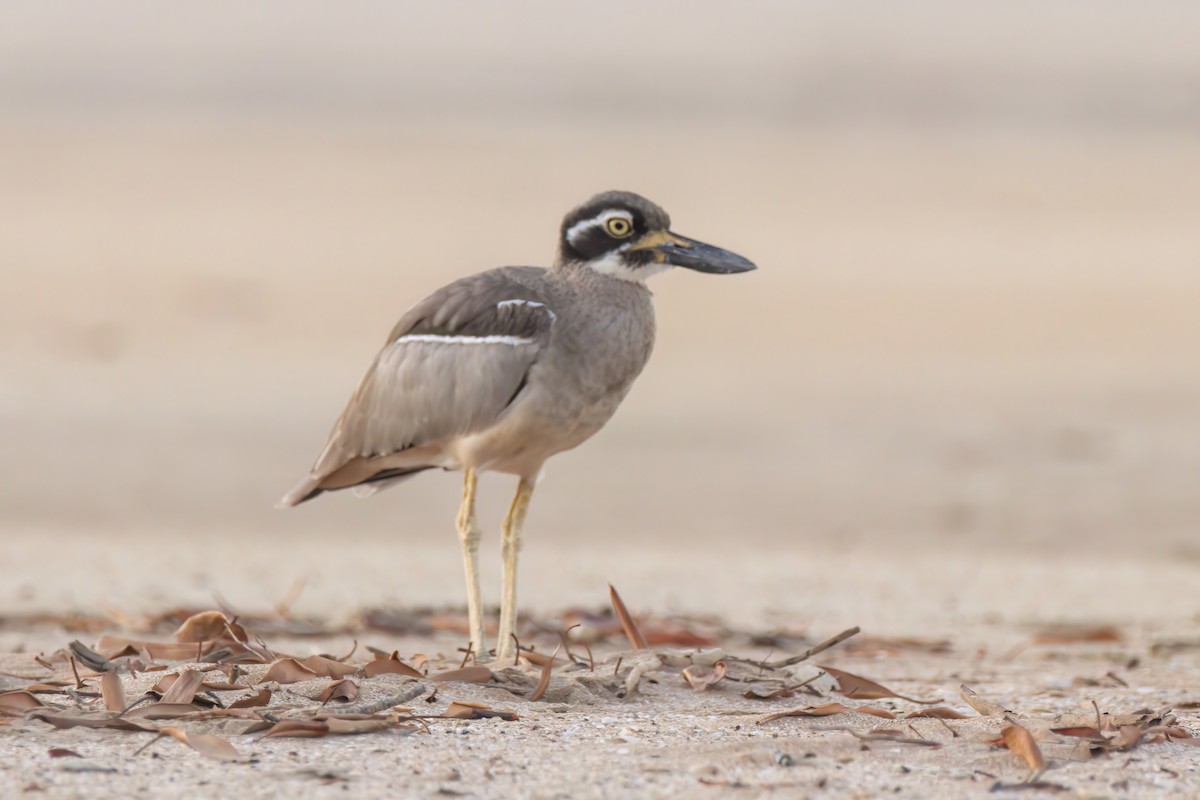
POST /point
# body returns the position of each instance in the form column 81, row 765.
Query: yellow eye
column 619, row 227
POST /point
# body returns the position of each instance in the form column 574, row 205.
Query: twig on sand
column 807, row 654
column 410, row 692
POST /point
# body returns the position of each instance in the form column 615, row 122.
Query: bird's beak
column 671, row 248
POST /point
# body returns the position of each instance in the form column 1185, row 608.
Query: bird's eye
column 619, row 227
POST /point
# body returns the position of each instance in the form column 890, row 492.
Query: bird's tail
column 305, row 490
column 313, row 485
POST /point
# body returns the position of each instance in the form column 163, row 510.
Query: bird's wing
column 450, row 367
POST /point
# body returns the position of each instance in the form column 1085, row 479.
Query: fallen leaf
column 544, row 680
column 1078, row 634
column 296, row 728
column 539, row 659
column 331, row 725
column 1091, row 734
column 168, row 651
column 390, row 666
column 328, row 668
column 891, row 735
column 701, row 679
column 340, row 726
column 461, row 710
column 827, row 710
column 985, row 707
column 676, row 637
column 636, row 640
column 112, row 691
column 209, row 626
column 205, row 744
column 161, row 711
column 862, row 688
column 183, row 688
column 1021, row 743
column 941, row 712
column 18, row 702
column 1127, row 738
column 62, row 752
column 89, row 657
column 65, row 721
column 345, row 689
column 261, row 698
column 466, row 675
column 288, row 670
column 768, row 692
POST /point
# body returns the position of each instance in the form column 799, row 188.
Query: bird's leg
column 509, row 547
column 469, row 535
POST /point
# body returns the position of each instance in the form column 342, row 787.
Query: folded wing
column 451, row 367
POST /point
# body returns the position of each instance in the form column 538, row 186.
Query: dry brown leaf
column 162, row 711
column 183, row 688
column 827, row 710
column 205, row 744
column 62, row 752
column 985, row 707
column 296, row 728
column 261, row 698
column 331, row 725
column 544, row 680
column 862, row 688
column 341, row 726
column 540, row 659
column 1083, row 732
column 390, row 666
column 18, row 702
column 891, row 735
column 1078, row 634
column 1127, row 738
column 676, row 637
column 328, row 668
column 89, row 657
column 288, row 670
column 112, row 691
column 208, row 626
column 1022, row 744
column 48, row 687
column 465, row 675
column 700, row 679
column 64, row 721
column 941, row 712
column 461, row 710
column 344, row 689
column 114, row 647
column 636, row 640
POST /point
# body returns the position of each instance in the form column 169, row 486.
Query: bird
column 501, row 370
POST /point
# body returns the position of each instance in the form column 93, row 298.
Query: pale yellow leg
column 509, row 547
column 469, row 534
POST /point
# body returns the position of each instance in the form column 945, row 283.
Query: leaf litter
column 215, row 652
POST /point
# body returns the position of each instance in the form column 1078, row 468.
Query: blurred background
column 972, row 347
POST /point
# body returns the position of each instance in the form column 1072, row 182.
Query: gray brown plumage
column 501, row 370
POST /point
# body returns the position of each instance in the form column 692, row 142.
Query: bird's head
column 624, row 235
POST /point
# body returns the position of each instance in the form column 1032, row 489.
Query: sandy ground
column 901, row 430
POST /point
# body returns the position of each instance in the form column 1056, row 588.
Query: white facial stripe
column 596, row 222
column 614, row 266
column 530, row 303
column 430, row 338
